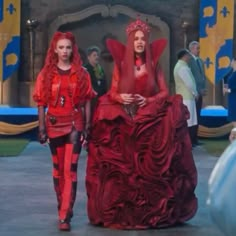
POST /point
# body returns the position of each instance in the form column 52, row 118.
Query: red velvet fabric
column 140, row 170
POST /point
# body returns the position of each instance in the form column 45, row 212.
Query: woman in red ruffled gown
column 140, row 170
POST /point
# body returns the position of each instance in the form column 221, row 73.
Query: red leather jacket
column 80, row 92
column 60, row 119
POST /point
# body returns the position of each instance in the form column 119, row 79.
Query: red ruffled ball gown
column 140, row 169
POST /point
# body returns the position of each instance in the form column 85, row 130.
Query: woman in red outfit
column 140, row 171
column 63, row 86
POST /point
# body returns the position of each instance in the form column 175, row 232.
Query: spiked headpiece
column 138, row 25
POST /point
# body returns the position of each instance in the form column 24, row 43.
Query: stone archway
column 107, row 11
column 93, row 24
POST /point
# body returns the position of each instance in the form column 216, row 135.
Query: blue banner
column 9, row 37
column 216, row 37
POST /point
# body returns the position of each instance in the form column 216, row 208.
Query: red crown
column 137, row 25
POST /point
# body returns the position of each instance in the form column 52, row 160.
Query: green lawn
column 215, row 147
column 12, row 146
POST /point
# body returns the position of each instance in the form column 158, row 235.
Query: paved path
column 28, row 203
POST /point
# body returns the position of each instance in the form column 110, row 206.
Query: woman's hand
column 232, row 135
column 43, row 138
column 84, row 136
column 83, row 140
column 140, row 100
column 126, row 98
column 226, row 90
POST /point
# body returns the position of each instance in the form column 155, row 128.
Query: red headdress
column 124, row 58
column 138, row 25
column 50, row 66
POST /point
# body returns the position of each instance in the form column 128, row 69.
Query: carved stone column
column 185, row 25
column 26, row 87
column 31, row 25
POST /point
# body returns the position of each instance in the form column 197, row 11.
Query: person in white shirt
column 185, row 85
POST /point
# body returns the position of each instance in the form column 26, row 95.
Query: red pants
column 65, row 161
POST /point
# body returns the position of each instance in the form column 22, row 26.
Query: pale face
column 93, row 58
column 195, row 50
column 64, row 50
column 233, row 64
column 139, row 42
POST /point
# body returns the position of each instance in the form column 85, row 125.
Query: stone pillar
column 26, row 87
column 185, row 25
column 31, row 25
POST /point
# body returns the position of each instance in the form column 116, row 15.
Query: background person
column 196, row 65
column 185, row 85
column 231, row 92
column 97, row 74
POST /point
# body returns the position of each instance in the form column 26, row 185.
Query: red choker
column 138, row 62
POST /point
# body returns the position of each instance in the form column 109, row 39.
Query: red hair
column 127, row 82
column 50, row 66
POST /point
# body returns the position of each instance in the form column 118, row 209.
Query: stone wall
column 172, row 12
